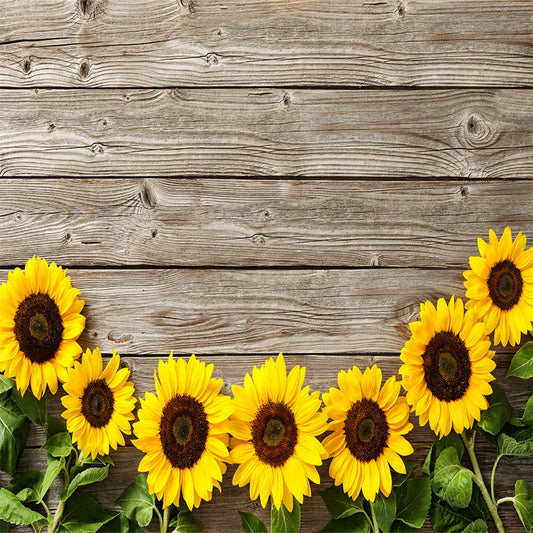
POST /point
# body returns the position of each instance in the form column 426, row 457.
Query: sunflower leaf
column 451, row 481
column 12, row 510
column 6, row 384
column 527, row 417
column 53, row 427
column 400, row 527
column 58, row 445
column 27, row 486
column 479, row 526
column 497, row 414
column 412, row 502
column 384, row 510
column 353, row 524
column 522, row 363
column 523, row 503
column 86, row 477
column 137, row 502
column 400, row 479
column 438, row 446
column 14, row 427
column 252, row 524
column 120, row 524
column 340, row 505
column 54, row 468
column 508, row 445
column 283, row 521
column 83, row 514
column 185, row 523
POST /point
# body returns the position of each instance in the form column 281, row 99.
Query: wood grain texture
column 256, row 311
column 230, row 223
column 222, row 132
column 220, row 514
column 112, row 43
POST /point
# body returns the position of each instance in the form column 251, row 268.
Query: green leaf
column 412, row 502
column 14, row 427
column 54, row 468
column 400, row 479
column 59, row 445
column 353, row 524
column 137, row 502
column 451, row 440
column 83, row 514
column 86, row 477
column 12, row 511
column 510, row 446
column 27, row 486
column 527, row 417
column 6, row 384
column 53, row 427
column 33, row 408
column 384, row 510
column 99, row 460
column 523, row 503
column 479, row 526
column 252, row 524
column 451, row 481
column 497, row 414
column 339, row 504
column 4, row 527
column 283, row 521
column 400, row 527
column 522, row 363
column 186, row 523
column 120, row 524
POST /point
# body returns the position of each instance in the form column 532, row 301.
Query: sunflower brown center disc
column 274, row 433
column 38, row 327
column 505, row 285
column 97, row 403
column 366, row 430
column 447, row 368
column 183, row 430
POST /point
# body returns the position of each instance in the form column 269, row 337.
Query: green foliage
column 185, row 522
column 53, row 427
column 527, row 417
column 384, row 510
column 357, row 523
column 137, row 502
column 85, row 477
column 412, row 502
column 283, row 521
column 54, row 468
column 451, row 481
column 523, row 503
column 508, row 445
column 33, row 408
column 252, row 524
column 522, row 363
column 59, row 445
column 12, row 510
column 27, row 486
column 479, row 526
column 83, row 514
column 120, row 524
column 6, row 384
column 340, row 505
column 400, row 479
column 498, row 413
column 14, row 427
column 451, row 440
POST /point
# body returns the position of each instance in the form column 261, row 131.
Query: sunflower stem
column 54, row 526
column 493, row 473
column 375, row 527
column 469, row 439
column 164, row 520
column 506, row 499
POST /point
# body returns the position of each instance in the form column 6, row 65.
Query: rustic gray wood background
column 330, row 166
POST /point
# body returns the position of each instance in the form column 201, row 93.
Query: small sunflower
column 275, row 425
column 368, row 424
column 500, row 286
column 184, row 432
column 447, row 366
column 40, row 322
column 99, row 403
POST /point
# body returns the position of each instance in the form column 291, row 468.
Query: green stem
column 506, row 499
column 492, row 478
column 478, row 479
column 164, row 521
column 375, row 527
column 57, row 517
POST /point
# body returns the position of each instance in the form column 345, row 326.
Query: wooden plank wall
column 287, row 175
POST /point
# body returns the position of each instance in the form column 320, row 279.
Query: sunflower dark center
column 505, row 285
column 183, row 431
column 366, row 430
column 97, row 403
column 446, row 366
column 274, row 433
column 38, row 327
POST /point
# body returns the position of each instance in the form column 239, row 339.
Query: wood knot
column 258, row 239
column 118, row 338
column 211, row 59
column 478, row 132
column 26, row 65
column 85, row 67
column 286, row 99
column 401, row 10
column 97, row 149
column 51, row 128
column 463, row 191
column 188, row 5
column 90, row 8
column 147, row 196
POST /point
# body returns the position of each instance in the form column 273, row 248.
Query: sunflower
column 368, row 424
column 99, row 403
column 447, row 366
column 184, row 432
column 500, row 286
column 275, row 425
column 40, row 322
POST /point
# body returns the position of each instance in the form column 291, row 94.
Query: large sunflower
column 368, row 427
column 500, row 286
column 99, row 403
column 40, row 322
column 275, row 425
column 447, row 366
column 184, row 432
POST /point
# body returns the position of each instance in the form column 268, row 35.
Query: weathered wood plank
column 321, row 374
column 224, row 222
column 314, row 133
column 256, row 311
column 111, row 43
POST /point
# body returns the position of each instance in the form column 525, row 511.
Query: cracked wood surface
column 474, row 133
column 112, row 43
